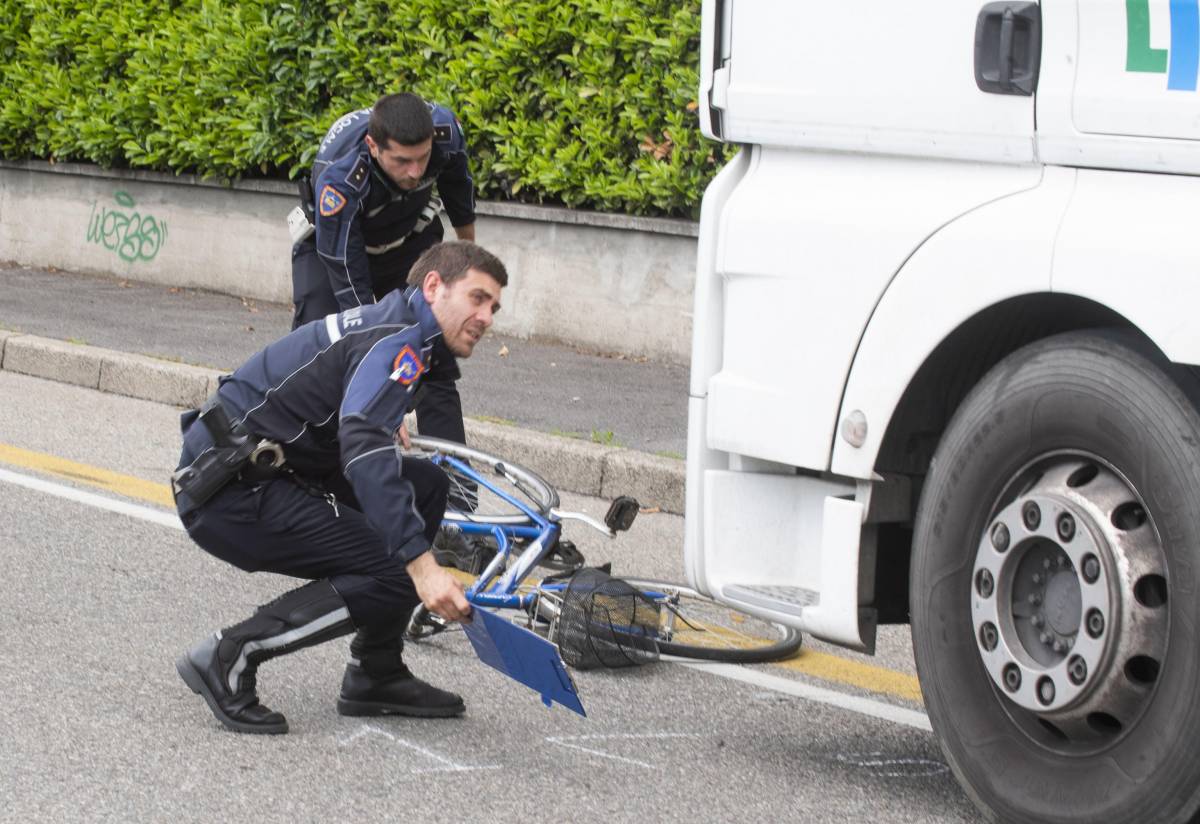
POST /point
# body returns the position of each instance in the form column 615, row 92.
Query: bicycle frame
column 490, row 588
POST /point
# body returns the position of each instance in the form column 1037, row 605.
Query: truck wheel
column 1056, row 563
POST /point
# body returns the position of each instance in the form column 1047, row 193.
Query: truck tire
column 1056, row 564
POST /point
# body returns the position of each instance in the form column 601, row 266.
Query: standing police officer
column 373, row 213
column 292, row 468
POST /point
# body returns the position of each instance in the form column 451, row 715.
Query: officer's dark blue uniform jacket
column 361, row 217
column 333, row 393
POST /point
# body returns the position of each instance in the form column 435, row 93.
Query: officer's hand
column 402, row 434
column 440, row 591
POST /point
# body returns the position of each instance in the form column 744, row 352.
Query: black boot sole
column 360, row 709
column 191, row 676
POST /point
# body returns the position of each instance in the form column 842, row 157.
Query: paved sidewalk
column 584, row 420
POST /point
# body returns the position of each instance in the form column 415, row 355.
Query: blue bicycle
column 504, row 524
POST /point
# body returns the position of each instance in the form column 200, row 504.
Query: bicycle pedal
column 565, row 556
column 621, row 513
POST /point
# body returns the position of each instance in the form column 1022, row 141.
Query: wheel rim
column 1068, row 600
column 469, row 502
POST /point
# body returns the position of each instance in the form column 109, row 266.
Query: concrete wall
column 602, row 282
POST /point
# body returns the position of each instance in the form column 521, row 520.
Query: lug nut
column 988, row 636
column 1059, row 646
column 1045, row 690
column 1034, row 598
column 1012, row 677
column 1091, row 568
column 1095, row 623
column 1045, row 638
column 1000, row 537
column 1066, row 527
column 1031, row 515
column 985, row 584
column 1038, row 621
column 1077, row 670
column 1037, row 578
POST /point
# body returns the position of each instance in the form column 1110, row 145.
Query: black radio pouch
column 307, row 202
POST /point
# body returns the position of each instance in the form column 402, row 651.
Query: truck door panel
column 1128, row 241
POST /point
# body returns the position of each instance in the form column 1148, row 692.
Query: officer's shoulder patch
column 359, row 172
column 407, row 367
column 330, row 201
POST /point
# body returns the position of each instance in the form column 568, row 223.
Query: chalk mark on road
column 446, row 764
column 892, row 767
column 567, row 741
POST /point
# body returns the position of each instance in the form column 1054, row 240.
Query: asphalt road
column 98, row 727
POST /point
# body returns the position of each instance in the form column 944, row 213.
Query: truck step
column 791, row 600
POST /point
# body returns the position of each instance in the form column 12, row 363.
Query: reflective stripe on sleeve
column 331, row 326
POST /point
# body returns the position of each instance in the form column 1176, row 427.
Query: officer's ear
column 432, row 284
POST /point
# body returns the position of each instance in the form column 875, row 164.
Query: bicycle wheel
column 695, row 626
column 503, row 483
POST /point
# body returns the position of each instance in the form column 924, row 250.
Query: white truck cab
column 946, row 370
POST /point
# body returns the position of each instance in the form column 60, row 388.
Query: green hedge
column 588, row 103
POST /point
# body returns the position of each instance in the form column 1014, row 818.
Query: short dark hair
column 452, row 259
column 404, row 118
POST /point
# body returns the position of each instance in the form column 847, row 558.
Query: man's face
column 404, row 165
column 463, row 309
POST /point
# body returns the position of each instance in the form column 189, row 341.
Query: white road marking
column 144, row 513
column 853, row 703
column 566, row 741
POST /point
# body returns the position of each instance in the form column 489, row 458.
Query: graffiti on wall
column 124, row 230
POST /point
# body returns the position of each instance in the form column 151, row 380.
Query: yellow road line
column 126, row 485
column 808, row 662
column 818, row 664
column 864, row 676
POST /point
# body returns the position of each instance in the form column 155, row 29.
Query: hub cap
column 1068, row 600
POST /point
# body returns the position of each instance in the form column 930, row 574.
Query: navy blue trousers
column 277, row 526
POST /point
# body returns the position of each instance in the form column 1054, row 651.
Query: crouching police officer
column 292, row 468
column 370, row 211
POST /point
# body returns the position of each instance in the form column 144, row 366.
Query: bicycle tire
column 719, row 632
column 516, row 480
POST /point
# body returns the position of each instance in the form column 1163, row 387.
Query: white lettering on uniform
column 340, row 126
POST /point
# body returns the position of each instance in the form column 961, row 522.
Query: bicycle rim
column 504, row 482
column 695, row 626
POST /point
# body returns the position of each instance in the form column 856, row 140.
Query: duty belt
column 427, row 216
column 235, row 454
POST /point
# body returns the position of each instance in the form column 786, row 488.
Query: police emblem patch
column 407, row 367
column 331, row 201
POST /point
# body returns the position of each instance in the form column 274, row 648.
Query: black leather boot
column 223, row 667
column 378, row 683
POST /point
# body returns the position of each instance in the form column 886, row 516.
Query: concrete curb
column 571, row 465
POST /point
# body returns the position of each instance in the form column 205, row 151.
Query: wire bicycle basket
column 601, row 621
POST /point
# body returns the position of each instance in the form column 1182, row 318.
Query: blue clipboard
column 523, row 656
